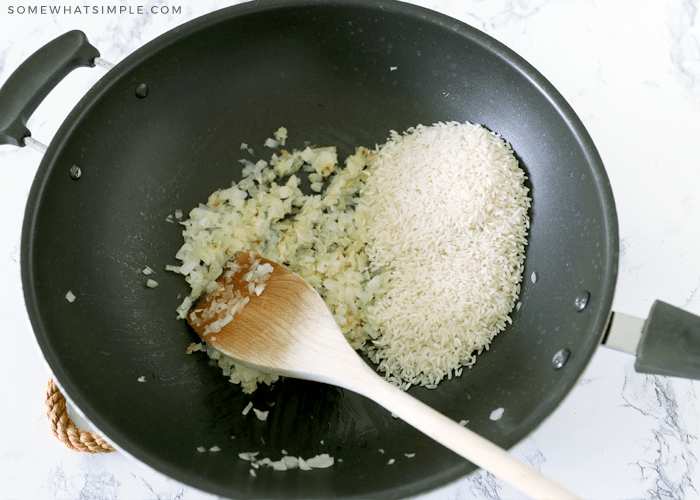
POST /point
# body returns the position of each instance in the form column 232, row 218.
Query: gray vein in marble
column 11, row 58
column 488, row 16
column 536, row 459
column 483, row 484
column 693, row 294
column 123, row 34
column 103, row 486
column 667, row 470
column 623, row 247
column 627, row 244
column 585, row 381
column 178, row 495
column 685, row 47
column 519, row 10
column 84, row 486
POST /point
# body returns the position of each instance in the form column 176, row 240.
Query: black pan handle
column 670, row 343
column 666, row 343
column 35, row 78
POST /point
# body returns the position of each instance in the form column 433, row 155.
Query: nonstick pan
column 162, row 130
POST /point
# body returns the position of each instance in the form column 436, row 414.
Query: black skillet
column 162, row 130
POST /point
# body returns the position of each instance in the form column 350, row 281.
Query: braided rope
column 64, row 428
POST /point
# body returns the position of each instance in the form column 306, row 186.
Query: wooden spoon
column 269, row 318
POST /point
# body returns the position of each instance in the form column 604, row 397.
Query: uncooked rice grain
column 446, row 216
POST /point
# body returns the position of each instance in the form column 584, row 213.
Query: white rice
column 446, row 216
column 416, row 247
column 247, row 409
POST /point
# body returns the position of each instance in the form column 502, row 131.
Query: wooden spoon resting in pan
column 269, row 318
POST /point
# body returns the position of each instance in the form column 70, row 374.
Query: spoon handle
column 461, row 440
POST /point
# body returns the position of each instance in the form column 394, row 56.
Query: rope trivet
column 64, row 428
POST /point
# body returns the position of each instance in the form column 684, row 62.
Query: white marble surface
column 630, row 69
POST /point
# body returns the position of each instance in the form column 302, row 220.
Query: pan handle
column 670, row 343
column 666, row 343
column 32, row 81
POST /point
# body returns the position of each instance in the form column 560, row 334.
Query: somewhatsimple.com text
column 92, row 9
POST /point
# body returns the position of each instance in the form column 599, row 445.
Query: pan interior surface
column 340, row 73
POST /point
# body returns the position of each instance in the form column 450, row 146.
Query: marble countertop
column 631, row 70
